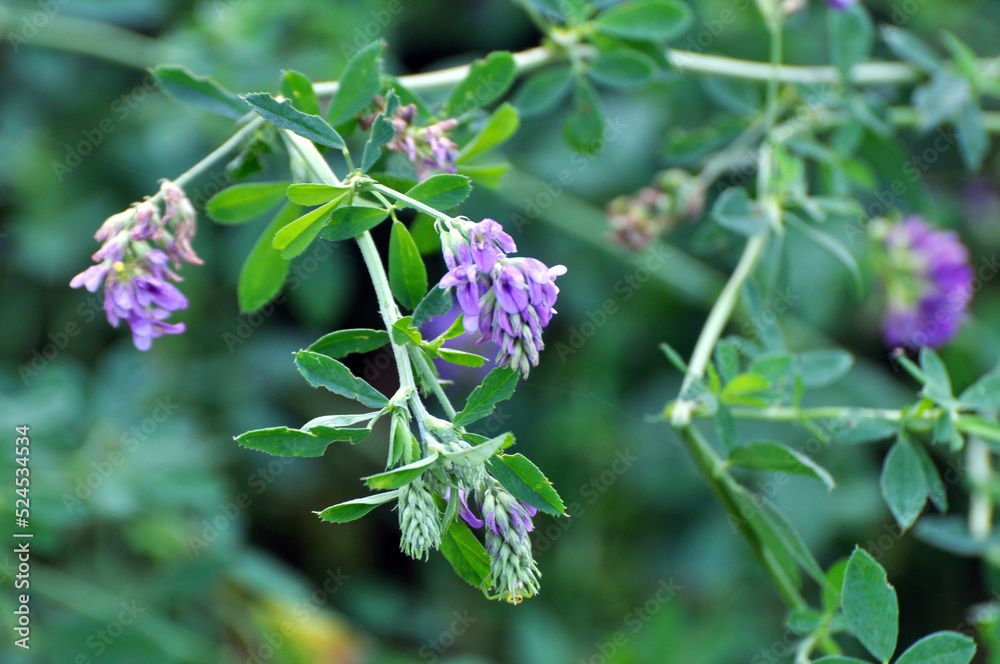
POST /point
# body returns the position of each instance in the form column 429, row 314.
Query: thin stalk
column 415, row 204
column 373, row 261
column 426, row 372
column 977, row 455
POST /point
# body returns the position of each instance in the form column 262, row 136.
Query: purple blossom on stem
column 841, row 4
column 506, row 299
column 928, row 281
column 429, row 148
column 134, row 273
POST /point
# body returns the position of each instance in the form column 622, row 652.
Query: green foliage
column 775, row 456
column 360, row 81
column 904, row 484
column 487, row 81
column 526, row 482
column 397, row 477
column 498, row 386
column 199, row 91
column 407, row 273
column 443, row 191
column 357, row 508
column 344, row 342
column 870, row 605
column 285, row 116
column 243, row 202
column 265, row 269
column 322, row 371
column 653, row 20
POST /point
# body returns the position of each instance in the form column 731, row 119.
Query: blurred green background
column 157, row 539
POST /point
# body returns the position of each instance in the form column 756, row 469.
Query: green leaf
column 285, row 116
column 357, row 508
column 404, row 333
column 851, row 37
column 984, row 394
column 621, row 68
column 358, row 84
column 437, row 302
column 773, row 366
column 407, row 274
column 442, row 191
column 649, row 20
column 322, row 371
column 904, row 485
column 725, row 426
column 865, row 430
column 282, row 441
column 674, row 357
column 397, row 477
column 382, row 132
column 264, row 270
column 951, row 534
column 739, row 387
column 774, row 456
column 838, row 659
column 734, row 210
column 820, row 368
column 502, row 124
column 345, row 342
column 935, row 485
column 298, row 88
column 945, row 432
column 583, row 128
column 941, row 99
column 294, row 238
column 938, row 385
column 350, row 221
column 526, row 482
column 830, row 245
column 973, row 140
column 488, row 80
column 834, row 586
column 940, row 648
column 460, row 357
column 314, row 194
column 764, row 321
column 243, row 202
column 790, row 539
column 870, row 605
column 909, row 47
column 486, row 175
column 465, row 553
column 480, row 454
column 542, row 91
column 498, row 386
column 199, row 91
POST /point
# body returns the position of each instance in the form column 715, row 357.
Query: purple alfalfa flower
column 841, row 4
column 428, row 148
column 928, row 283
column 468, row 282
column 487, row 243
column 134, row 274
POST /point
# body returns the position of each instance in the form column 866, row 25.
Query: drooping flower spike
column 134, row 273
column 428, row 148
column 507, row 299
column 928, row 283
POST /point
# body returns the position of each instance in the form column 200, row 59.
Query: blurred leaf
column 830, row 245
column 945, row 432
column 285, row 116
column 345, row 342
column 984, row 394
column 465, row 553
column 487, row 80
column 498, row 386
column 357, row 508
column 350, row 221
column 940, row 648
column 407, row 274
column 773, row 366
column 870, row 605
column 938, row 385
column 298, row 88
column 583, row 128
column 973, row 140
column 935, row 485
column 725, row 426
column 951, row 534
column 736, row 96
column 909, row 47
column 866, row 430
column 314, row 194
column 674, row 357
column 651, row 20
column 264, row 271
column 621, row 68
column 397, row 477
column 502, row 124
column 485, row 175
column 358, row 84
column 243, row 202
column 199, row 91
column 904, row 485
column 282, row 441
column 461, row 357
column 543, row 90
column 790, row 539
column 442, row 191
column 775, row 456
column 820, row 368
column 322, row 371
column 941, row 99
column 734, row 210
column 851, row 37
column 382, row 132
column 526, row 483
column 739, row 387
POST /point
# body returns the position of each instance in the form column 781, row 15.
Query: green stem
column 716, row 323
column 977, row 455
column 373, row 261
column 789, row 414
column 727, row 491
column 415, row 204
column 423, row 366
